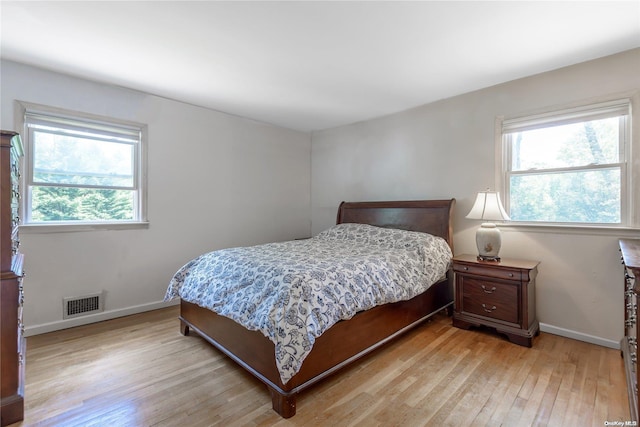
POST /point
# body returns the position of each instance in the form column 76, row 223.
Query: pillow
column 365, row 234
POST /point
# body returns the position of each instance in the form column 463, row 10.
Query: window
column 569, row 167
column 81, row 170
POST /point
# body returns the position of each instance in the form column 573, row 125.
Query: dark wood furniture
column 348, row 340
column 630, row 249
column 499, row 295
column 12, row 341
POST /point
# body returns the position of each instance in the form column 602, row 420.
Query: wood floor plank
column 139, row 371
column 543, row 413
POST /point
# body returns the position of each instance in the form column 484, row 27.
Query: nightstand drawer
column 490, row 299
column 481, row 270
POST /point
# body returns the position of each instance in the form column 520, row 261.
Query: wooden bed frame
column 347, row 340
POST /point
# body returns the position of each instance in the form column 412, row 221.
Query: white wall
column 214, row 181
column 447, row 149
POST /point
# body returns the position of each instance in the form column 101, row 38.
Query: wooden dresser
column 630, row 249
column 12, row 341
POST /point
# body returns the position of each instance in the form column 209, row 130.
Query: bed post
column 184, row 327
column 285, row 405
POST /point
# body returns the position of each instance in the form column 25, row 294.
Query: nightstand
column 499, row 295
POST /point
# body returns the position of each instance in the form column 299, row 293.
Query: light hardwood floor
column 139, row 371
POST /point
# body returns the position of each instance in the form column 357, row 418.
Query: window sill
column 596, row 230
column 81, row 227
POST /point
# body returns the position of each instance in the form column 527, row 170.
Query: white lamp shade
column 488, row 207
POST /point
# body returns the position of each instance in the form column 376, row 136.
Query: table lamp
column 488, row 208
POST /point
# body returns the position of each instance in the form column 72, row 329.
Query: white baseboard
column 93, row 318
column 568, row 333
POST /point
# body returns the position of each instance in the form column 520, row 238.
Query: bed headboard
column 429, row 216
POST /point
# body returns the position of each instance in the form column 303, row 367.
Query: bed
column 344, row 341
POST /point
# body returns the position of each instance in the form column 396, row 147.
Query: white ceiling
column 312, row 65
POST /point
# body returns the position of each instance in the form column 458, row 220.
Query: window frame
column 593, row 109
column 28, row 112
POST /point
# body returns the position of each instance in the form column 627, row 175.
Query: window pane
column 585, row 196
column 576, row 144
column 81, row 204
column 68, row 159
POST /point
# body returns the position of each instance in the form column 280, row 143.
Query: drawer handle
column 488, row 310
column 488, row 291
column 510, row 274
column 465, row 268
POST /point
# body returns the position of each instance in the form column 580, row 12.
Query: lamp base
column 488, row 240
column 489, row 258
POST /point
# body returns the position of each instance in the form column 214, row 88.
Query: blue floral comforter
column 294, row 291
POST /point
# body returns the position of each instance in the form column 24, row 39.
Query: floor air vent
column 82, row 306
